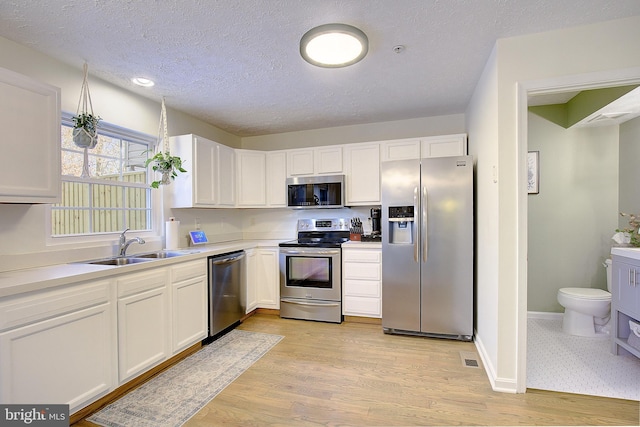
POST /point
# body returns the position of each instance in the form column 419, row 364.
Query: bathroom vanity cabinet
column 625, row 298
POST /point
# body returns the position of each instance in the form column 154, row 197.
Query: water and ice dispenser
column 401, row 224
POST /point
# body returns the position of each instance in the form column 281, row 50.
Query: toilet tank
column 607, row 265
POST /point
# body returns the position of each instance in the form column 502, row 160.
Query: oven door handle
column 307, row 252
column 318, row 304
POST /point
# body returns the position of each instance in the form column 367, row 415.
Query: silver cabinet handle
column 316, row 304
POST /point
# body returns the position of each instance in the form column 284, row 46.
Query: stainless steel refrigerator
column 427, row 247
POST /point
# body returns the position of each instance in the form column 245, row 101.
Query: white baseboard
column 503, row 385
column 544, row 315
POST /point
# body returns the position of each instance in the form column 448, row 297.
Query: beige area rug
column 175, row 395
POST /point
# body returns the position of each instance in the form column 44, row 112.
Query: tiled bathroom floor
column 560, row 362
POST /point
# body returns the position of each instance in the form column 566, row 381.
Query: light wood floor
column 353, row 374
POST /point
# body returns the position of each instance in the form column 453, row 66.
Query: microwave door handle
column 415, row 226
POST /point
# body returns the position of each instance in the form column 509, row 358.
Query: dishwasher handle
column 227, row 259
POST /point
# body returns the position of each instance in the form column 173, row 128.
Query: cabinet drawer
column 139, row 282
column 27, row 309
column 354, row 255
column 361, row 306
column 188, row 270
column 364, row 271
column 362, row 288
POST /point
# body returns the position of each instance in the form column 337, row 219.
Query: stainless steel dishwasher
column 226, row 302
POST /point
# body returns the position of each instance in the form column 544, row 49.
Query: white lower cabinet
column 58, row 346
column 362, row 282
column 267, row 278
column 251, row 272
column 143, row 322
column 188, row 304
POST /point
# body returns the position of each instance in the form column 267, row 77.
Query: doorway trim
column 571, row 83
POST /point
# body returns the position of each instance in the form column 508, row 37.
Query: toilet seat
column 591, row 294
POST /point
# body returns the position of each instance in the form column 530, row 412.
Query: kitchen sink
column 161, row 254
column 118, row 261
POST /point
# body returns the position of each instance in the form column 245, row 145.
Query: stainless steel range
column 310, row 271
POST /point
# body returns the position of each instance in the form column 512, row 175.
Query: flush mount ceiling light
column 141, row 81
column 334, row 45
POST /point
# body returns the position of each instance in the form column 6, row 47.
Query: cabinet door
column 276, row 179
column 444, row 146
column 226, row 176
column 328, row 160
column 362, row 167
column 300, row 162
column 143, row 322
column 65, row 359
column 626, row 284
column 268, row 278
column 189, row 313
column 251, row 284
column 252, row 188
column 401, row 149
column 205, row 162
column 31, row 170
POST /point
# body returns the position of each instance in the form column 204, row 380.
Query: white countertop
column 627, row 252
column 33, row 279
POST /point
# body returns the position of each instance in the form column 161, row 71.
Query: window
column 115, row 195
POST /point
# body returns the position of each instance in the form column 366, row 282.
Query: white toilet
column 586, row 309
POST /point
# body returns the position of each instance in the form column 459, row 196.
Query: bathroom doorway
column 570, row 220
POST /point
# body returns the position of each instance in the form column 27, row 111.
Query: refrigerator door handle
column 425, row 244
column 415, row 226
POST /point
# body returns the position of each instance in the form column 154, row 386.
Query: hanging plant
column 167, row 165
column 85, row 122
column 164, row 162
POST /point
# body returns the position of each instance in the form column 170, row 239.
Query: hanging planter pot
column 85, row 123
column 164, row 162
column 85, row 130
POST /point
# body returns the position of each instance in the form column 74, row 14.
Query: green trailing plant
column 632, row 231
column 86, row 121
column 166, row 164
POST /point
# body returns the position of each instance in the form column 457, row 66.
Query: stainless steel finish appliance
column 310, row 271
column 226, row 303
column 427, row 247
column 325, row 191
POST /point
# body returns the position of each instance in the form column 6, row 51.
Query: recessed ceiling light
column 141, row 81
column 334, row 45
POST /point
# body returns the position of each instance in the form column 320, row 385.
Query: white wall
column 600, row 50
column 572, row 219
column 482, row 127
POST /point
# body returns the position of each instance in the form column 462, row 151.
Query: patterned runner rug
column 175, row 395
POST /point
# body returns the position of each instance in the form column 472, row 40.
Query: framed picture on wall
column 533, row 172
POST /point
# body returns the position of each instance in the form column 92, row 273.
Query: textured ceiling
column 236, row 63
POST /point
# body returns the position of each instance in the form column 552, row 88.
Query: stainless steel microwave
column 323, row 191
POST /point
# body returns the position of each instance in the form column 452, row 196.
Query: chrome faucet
column 124, row 243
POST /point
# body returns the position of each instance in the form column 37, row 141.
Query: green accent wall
column 580, row 106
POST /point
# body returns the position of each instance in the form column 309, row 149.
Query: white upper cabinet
column 444, row 146
column 252, row 170
column 315, row 161
column 30, row 140
column 362, row 173
column 432, row 146
column 226, row 176
column 210, row 177
column 276, row 179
